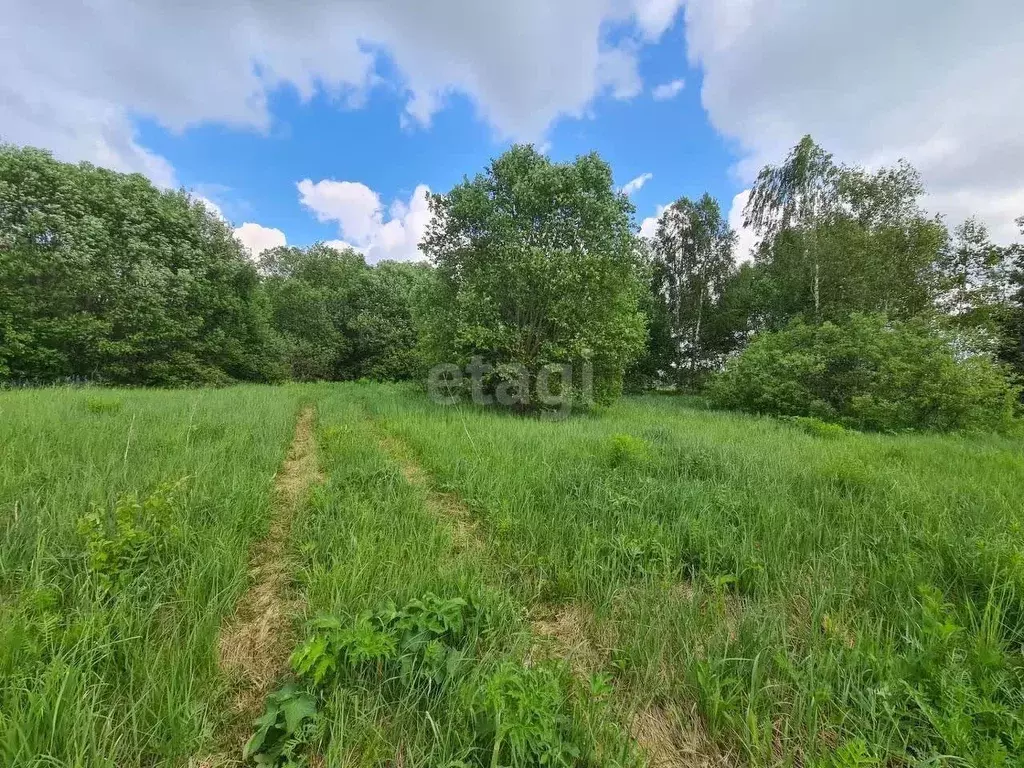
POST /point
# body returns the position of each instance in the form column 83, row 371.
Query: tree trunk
column 817, row 289
column 696, row 333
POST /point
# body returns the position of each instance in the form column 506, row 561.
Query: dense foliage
column 867, row 372
column 536, row 264
column 339, row 318
column 103, row 276
column 693, row 259
column 533, row 264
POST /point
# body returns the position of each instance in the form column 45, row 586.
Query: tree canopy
column 103, row 276
column 531, row 264
column 536, row 263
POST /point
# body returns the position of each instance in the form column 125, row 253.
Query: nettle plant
column 522, row 716
column 120, row 542
column 425, row 642
column 289, row 724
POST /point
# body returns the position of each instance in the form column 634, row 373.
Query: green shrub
column 122, row 542
column 867, row 373
column 626, row 450
column 816, row 427
column 522, row 716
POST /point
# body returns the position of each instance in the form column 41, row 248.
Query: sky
column 302, row 122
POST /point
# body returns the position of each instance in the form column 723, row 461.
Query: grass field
column 656, row 583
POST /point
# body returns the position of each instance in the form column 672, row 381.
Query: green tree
column 973, row 278
column 837, row 240
column 693, row 258
column 386, row 332
column 1011, row 320
column 537, row 263
column 314, row 296
column 661, row 353
column 105, row 277
column 796, row 196
column 339, row 318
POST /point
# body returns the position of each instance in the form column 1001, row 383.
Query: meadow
column 187, row 577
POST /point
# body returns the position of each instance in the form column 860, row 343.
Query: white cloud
column 746, row 240
column 257, row 238
column 211, row 206
column 73, row 81
column 619, row 72
column 635, row 184
column 669, row 90
column 341, row 245
column 649, row 226
column 873, row 80
column 363, row 223
column 355, row 206
column 654, row 17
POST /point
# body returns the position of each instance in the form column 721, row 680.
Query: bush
column 867, row 373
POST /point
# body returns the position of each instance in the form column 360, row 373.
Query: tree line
column 852, row 292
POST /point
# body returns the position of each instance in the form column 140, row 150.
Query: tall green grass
column 822, row 598
column 114, row 662
column 369, row 538
column 817, row 597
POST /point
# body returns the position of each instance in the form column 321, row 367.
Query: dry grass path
column 257, row 641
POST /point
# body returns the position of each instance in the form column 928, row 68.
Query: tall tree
column 105, row 277
column 693, row 257
column 973, row 277
column 385, row 327
column 314, row 296
column 1011, row 323
column 536, row 264
column 837, row 240
column 795, row 195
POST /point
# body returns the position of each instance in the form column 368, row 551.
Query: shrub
column 867, row 373
column 626, row 450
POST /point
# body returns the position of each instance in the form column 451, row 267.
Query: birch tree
column 693, row 256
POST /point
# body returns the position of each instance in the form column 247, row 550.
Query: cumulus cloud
column 364, row 224
column 354, row 206
column 746, row 239
column 211, row 206
column 257, row 238
column 649, row 226
column 872, row 81
column 74, row 75
column 341, row 245
column 635, row 184
column 668, row 90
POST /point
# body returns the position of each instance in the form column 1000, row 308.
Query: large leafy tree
column 693, row 259
column 795, row 196
column 537, row 263
column 103, row 276
column 973, row 279
column 386, row 330
column 837, row 240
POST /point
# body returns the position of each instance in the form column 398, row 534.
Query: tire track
column 255, row 644
column 564, row 631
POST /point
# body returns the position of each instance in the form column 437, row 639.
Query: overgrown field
column 429, row 586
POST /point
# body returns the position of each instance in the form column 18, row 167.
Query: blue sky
column 328, row 120
column 251, row 174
